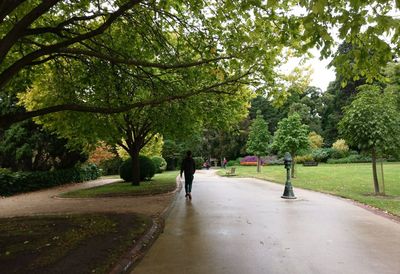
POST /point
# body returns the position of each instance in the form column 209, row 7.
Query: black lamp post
column 288, row 192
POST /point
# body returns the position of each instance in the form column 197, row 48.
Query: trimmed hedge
column 146, row 165
column 350, row 159
column 159, row 163
column 18, row 182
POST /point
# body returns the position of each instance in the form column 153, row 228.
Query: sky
column 322, row 75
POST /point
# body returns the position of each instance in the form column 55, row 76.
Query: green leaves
column 319, row 6
column 259, row 137
column 372, row 121
column 291, row 135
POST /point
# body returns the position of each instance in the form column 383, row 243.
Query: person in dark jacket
column 189, row 168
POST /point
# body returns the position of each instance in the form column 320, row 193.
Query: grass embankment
column 90, row 243
column 352, row 181
column 161, row 183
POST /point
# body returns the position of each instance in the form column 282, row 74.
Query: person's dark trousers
column 188, row 182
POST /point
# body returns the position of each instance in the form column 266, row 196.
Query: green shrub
column 199, row 162
column 110, row 166
column 13, row 183
column 125, row 170
column 159, row 163
column 303, row 158
column 146, row 165
column 147, row 168
column 321, row 154
column 340, row 149
column 350, row 159
column 232, row 163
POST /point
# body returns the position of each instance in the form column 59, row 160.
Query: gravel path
column 45, row 202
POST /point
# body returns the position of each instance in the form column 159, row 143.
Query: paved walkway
column 243, row 226
column 45, row 202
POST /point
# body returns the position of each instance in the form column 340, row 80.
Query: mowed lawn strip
column 352, row 181
column 160, row 183
column 88, row 243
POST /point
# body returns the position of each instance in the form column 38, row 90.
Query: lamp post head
column 287, row 160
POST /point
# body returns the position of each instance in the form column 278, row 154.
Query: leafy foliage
column 259, row 138
column 340, row 149
column 159, row 163
column 321, row 154
column 13, row 183
column 147, row 169
column 291, row 136
column 371, row 121
column 167, row 41
column 316, row 140
column 110, row 166
column 28, row 147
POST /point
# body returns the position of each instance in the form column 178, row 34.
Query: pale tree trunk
column 258, row 164
column 374, row 173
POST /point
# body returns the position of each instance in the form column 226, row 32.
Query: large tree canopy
column 230, row 40
column 372, row 123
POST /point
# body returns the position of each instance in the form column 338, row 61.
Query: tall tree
column 170, row 36
column 259, row 138
column 291, row 136
column 134, row 129
column 372, row 123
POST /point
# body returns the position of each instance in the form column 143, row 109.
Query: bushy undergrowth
column 199, row 162
column 18, row 182
column 146, row 165
column 350, row 159
column 304, row 158
column 110, row 166
column 159, row 163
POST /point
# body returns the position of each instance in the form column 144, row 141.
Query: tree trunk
column 383, row 178
column 374, row 173
column 293, row 163
column 258, row 164
column 135, row 167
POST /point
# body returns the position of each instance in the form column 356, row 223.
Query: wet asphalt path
column 237, row 225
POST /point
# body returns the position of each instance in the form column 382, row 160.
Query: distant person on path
column 224, row 162
column 189, row 167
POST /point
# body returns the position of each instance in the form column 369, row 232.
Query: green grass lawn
column 352, row 181
column 160, row 183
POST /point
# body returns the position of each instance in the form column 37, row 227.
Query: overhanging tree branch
column 11, row 71
column 15, row 33
column 7, row 6
column 8, row 119
column 140, row 63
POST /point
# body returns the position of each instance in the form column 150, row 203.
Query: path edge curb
column 138, row 251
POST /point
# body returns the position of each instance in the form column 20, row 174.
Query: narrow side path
column 45, row 202
column 237, row 225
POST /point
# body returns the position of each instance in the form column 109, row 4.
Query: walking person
column 189, row 168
